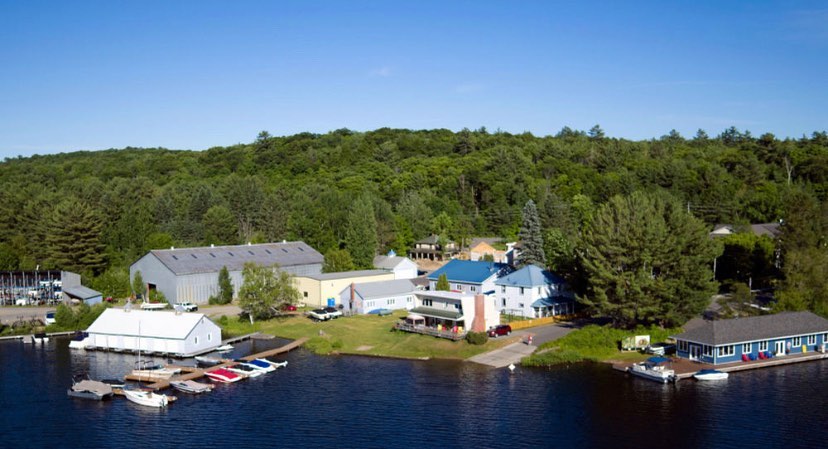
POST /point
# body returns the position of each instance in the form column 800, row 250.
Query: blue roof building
column 533, row 292
column 468, row 276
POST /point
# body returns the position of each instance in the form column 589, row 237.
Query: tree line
column 355, row 194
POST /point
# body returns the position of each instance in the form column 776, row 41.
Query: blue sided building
column 742, row 339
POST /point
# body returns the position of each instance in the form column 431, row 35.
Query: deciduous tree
column 265, row 290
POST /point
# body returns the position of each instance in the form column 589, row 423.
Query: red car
column 289, row 308
column 500, row 329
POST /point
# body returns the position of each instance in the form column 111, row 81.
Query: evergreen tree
column 361, row 233
column 138, row 284
column 225, row 287
column 531, row 238
column 74, row 238
column 265, row 290
column 220, row 227
column 443, row 283
column 647, row 261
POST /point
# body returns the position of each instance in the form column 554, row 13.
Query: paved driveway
column 512, row 353
column 10, row 314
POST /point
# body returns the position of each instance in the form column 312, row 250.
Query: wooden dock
column 686, row 368
column 192, row 373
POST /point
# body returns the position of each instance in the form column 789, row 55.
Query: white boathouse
column 178, row 334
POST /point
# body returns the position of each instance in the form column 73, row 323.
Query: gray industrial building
column 191, row 274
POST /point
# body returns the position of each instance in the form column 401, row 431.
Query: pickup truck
column 188, row 306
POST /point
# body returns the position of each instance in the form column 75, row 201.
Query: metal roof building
column 373, row 296
column 191, row 274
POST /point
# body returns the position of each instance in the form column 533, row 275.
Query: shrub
column 223, row 321
column 319, row 345
column 477, row 338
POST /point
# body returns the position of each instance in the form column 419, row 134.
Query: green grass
column 363, row 334
column 593, row 343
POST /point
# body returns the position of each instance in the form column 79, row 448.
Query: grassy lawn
column 594, row 343
column 364, row 334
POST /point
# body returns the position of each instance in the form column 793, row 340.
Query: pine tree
column 531, row 238
column 361, row 233
column 443, row 283
column 225, row 286
column 74, row 238
column 337, row 260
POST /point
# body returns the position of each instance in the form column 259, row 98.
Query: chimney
column 351, row 304
column 479, row 322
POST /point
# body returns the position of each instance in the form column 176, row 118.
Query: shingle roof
column 755, row 328
column 530, row 276
column 467, row 271
column 346, row 274
column 388, row 262
column 157, row 324
column 210, row 259
column 382, row 289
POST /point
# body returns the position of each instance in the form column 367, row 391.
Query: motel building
column 754, row 338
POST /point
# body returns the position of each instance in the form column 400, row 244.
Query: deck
column 686, row 368
column 191, row 373
column 455, row 336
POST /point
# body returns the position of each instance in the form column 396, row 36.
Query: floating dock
column 687, row 368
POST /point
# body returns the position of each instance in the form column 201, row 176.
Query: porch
column 434, row 322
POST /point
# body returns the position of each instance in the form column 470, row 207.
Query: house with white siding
column 191, row 274
column 533, row 292
column 402, row 267
column 177, row 334
column 372, row 297
column 468, row 276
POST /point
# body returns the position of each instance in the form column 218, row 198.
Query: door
column 695, row 352
column 780, row 348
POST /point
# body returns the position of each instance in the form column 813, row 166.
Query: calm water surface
column 366, row 402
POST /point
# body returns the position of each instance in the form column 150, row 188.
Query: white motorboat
column 244, row 370
column 710, row 374
column 147, row 398
column 654, row 369
column 275, row 364
column 155, row 374
column 207, row 361
column 261, row 365
column 191, row 386
column 224, row 348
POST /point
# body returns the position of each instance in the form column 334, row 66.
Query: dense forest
column 97, row 212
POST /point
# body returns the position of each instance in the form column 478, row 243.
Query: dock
column 686, row 368
column 192, row 373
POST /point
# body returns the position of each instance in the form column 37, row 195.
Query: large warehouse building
column 191, row 274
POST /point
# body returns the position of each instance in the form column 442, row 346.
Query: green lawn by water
column 363, row 334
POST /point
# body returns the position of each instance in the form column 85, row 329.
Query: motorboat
column 654, row 369
column 149, row 371
column 224, row 348
column 710, row 374
column 207, row 361
column 191, row 386
column 90, row 389
column 260, row 365
column 80, row 341
column 245, row 370
column 274, row 364
column 223, row 375
column 147, row 398
column 114, row 383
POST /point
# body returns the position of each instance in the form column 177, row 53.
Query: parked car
column 333, row 312
column 500, row 329
column 319, row 315
column 661, row 349
column 188, row 306
column 22, row 301
column 50, row 317
column 288, row 308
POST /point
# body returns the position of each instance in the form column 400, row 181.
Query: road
column 10, row 314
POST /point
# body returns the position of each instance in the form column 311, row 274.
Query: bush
column 223, row 321
column 477, row 338
column 319, row 345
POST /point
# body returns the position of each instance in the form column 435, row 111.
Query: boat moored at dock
column 710, row 374
column 654, row 369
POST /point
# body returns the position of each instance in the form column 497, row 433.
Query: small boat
column 153, row 371
column 710, row 374
column 191, row 386
column 40, row 338
column 654, row 369
column 114, row 383
column 224, row 348
column 207, row 361
column 147, row 398
column 259, row 364
column 275, row 364
column 223, row 375
column 90, row 389
column 245, row 370
column 80, row 341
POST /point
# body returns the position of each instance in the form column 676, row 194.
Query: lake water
column 360, row 402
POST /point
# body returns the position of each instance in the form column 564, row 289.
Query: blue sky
column 192, row 75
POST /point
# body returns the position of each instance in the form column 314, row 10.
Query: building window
column 763, row 346
column 457, row 306
column 502, row 289
column 428, row 302
column 682, row 346
column 458, row 287
column 520, row 305
column 305, row 294
column 707, row 351
column 196, row 340
column 797, row 341
column 811, row 339
column 503, row 302
column 391, row 301
column 539, row 290
column 746, row 348
column 210, row 337
column 726, row 351
column 410, row 299
column 521, row 290
column 369, row 304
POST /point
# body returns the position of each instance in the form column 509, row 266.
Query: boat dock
column 686, row 368
column 192, row 373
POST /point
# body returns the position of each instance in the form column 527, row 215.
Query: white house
column 468, row 276
column 402, row 267
column 373, row 296
column 159, row 332
column 533, row 292
column 456, row 311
